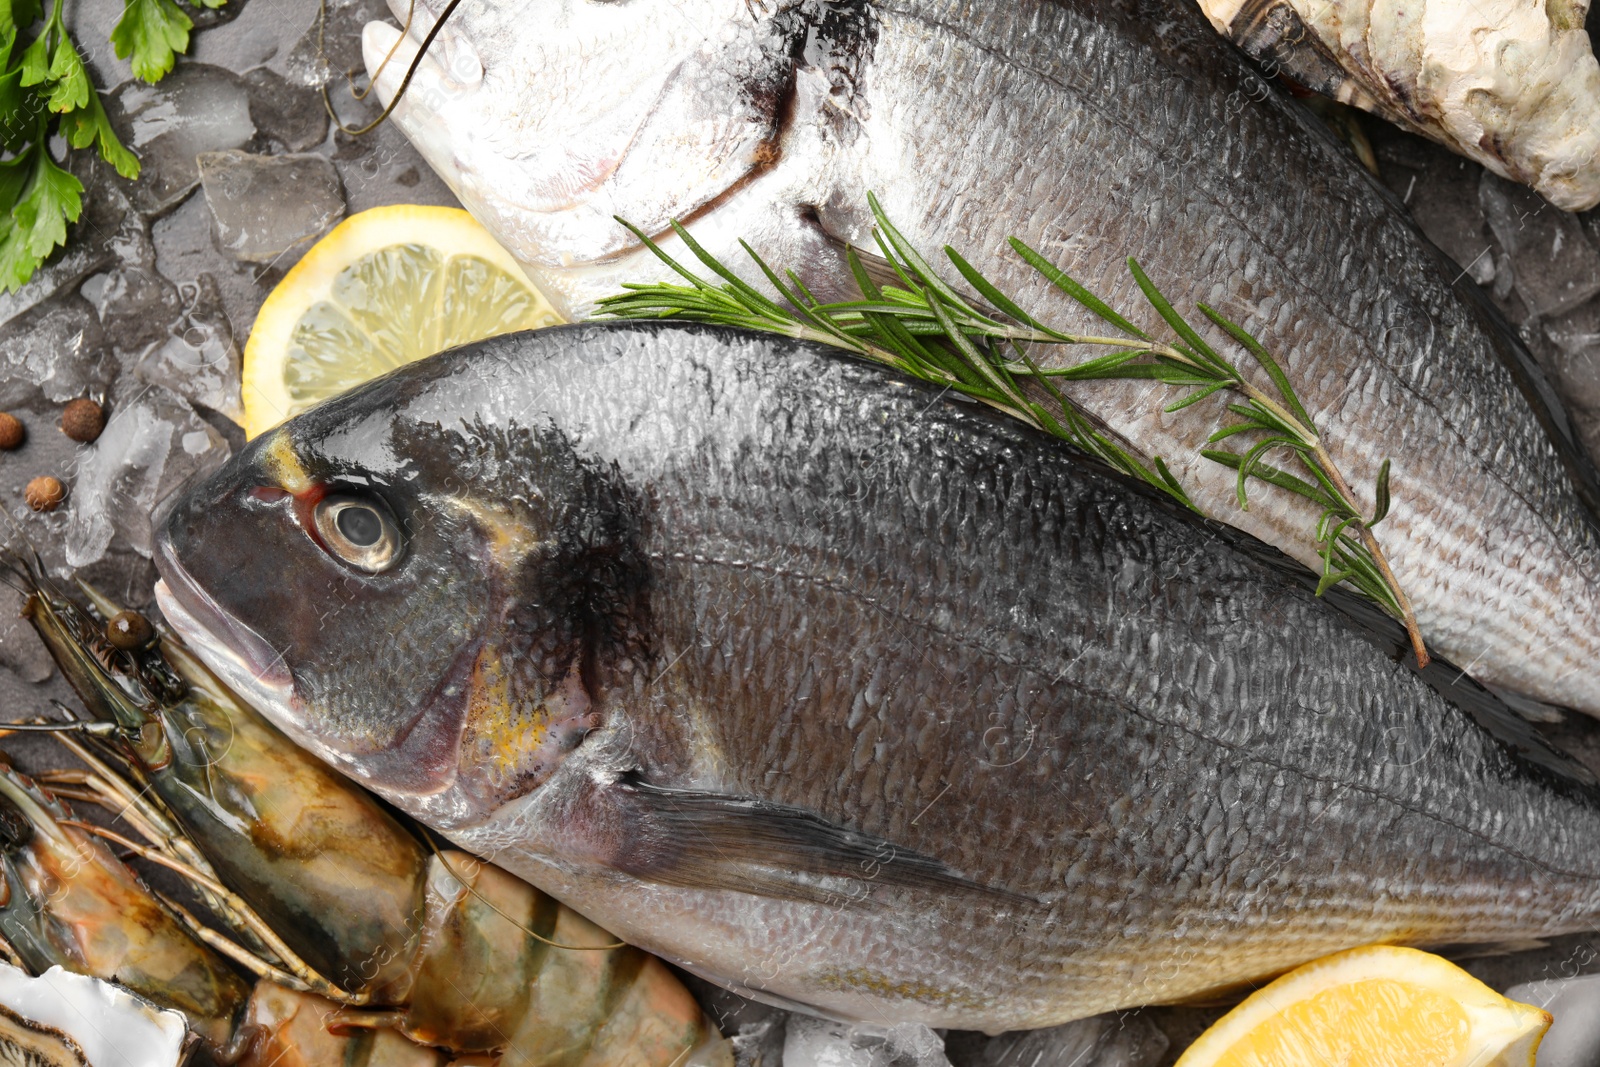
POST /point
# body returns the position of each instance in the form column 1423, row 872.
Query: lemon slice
column 385, row 287
column 1378, row 1006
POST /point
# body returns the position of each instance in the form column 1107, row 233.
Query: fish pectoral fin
column 748, row 845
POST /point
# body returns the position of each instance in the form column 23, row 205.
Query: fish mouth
column 237, row 654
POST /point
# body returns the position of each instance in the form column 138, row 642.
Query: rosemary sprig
column 892, row 326
column 926, row 328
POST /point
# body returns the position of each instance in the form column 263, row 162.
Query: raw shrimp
column 67, row 900
column 331, row 897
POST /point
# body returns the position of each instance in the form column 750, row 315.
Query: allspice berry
column 44, row 493
column 12, row 432
column 129, row 631
column 82, row 420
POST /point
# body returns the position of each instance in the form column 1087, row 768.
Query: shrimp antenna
column 72, row 725
column 23, row 569
column 26, row 573
column 350, row 83
column 486, row 902
column 10, row 575
column 405, row 83
column 99, row 729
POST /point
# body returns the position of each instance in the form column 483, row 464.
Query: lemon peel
column 384, row 288
column 1380, row 1004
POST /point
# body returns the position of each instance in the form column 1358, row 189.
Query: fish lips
column 238, row 655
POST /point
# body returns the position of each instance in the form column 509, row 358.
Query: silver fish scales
column 1094, row 131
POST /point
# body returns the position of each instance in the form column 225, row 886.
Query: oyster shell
column 1512, row 84
column 68, row 1020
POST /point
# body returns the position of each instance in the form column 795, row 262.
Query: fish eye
column 359, row 531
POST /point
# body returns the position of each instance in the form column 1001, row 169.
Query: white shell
column 1512, row 84
column 103, row 1024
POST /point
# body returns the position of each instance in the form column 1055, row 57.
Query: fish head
column 433, row 604
column 550, row 118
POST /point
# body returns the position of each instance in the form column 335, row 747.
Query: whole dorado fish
column 1094, row 130
column 843, row 693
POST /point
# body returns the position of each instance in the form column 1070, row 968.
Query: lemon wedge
column 385, row 287
column 1380, row 1006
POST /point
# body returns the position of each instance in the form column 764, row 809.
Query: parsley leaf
column 14, row 175
column 18, row 15
column 71, row 89
column 19, row 112
column 51, row 198
column 149, row 35
column 45, row 92
column 16, row 265
column 36, row 60
column 88, row 125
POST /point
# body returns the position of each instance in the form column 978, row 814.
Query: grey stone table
column 150, row 304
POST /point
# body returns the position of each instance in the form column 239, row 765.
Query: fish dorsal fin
column 1509, row 728
column 1517, row 736
column 1529, row 378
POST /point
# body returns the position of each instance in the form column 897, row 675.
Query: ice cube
column 1555, row 267
column 820, row 1043
column 289, row 114
column 759, row 1044
column 199, row 360
column 757, row 1031
column 137, row 308
column 1117, row 1039
column 139, row 461
column 262, row 33
column 268, row 209
column 335, row 46
column 1441, row 191
column 1574, row 1038
column 54, row 351
column 1572, row 360
column 197, row 108
column 185, row 250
